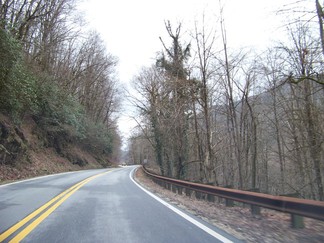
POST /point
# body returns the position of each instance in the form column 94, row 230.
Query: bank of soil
column 270, row 226
column 37, row 147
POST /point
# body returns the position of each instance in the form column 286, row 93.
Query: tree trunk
column 320, row 16
column 314, row 139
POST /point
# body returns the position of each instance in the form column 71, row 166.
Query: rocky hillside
column 37, row 147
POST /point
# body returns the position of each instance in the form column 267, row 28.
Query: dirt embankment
column 37, row 147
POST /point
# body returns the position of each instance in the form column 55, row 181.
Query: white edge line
column 185, row 216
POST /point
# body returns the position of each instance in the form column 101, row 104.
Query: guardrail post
column 297, row 221
column 170, row 186
column 173, row 188
column 162, row 184
column 157, row 182
column 255, row 210
column 229, row 202
column 210, row 197
column 179, row 190
column 167, row 186
column 198, row 195
column 188, row 192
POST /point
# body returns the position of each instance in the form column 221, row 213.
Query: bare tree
column 204, row 45
column 320, row 15
column 303, row 58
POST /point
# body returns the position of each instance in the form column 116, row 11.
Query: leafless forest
column 235, row 118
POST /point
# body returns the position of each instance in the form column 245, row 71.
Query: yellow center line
column 62, row 196
column 33, row 214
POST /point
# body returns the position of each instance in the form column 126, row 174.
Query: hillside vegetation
column 58, row 91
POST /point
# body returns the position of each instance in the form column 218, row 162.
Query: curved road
column 95, row 206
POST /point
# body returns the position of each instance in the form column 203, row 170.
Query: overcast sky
column 131, row 28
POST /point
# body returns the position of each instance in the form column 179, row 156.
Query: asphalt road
column 95, row 206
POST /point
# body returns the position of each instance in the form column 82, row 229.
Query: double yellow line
column 49, row 207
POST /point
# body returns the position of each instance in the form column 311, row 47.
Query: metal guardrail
column 303, row 207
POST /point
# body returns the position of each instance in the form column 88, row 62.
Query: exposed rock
column 39, row 146
column 12, row 142
column 76, row 159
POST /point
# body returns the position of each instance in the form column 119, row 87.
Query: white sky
column 131, row 28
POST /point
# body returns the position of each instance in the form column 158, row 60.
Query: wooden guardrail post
column 255, row 210
column 198, row 195
column 174, row 188
column 162, row 184
column 229, row 202
column 188, row 192
column 167, row 186
column 297, row 221
column 210, row 197
column 158, row 182
column 179, row 190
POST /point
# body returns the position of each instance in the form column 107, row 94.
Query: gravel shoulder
column 270, row 226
